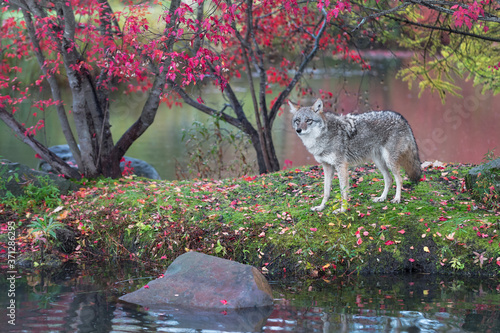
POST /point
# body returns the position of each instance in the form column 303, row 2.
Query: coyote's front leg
column 328, row 171
column 343, row 172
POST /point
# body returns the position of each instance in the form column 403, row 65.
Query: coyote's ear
column 292, row 108
column 318, row 106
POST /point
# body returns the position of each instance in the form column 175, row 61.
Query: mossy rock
column 15, row 177
column 31, row 260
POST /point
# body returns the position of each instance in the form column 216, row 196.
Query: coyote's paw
column 339, row 210
column 318, row 208
column 396, row 200
column 379, row 199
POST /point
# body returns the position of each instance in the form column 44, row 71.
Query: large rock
column 14, row 178
column 141, row 168
column 199, row 280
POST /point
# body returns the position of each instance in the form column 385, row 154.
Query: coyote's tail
column 411, row 161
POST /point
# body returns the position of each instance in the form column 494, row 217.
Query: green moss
column 266, row 221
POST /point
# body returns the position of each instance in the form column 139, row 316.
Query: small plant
column 456, row 264
column 487, row 189
column 219, row 248
column 45, row 193
column 486, row 186
column 209, row 146
column 44, row 231
column 489, row 156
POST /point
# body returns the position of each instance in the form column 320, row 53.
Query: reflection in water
column 242, row 320
column 363, row 304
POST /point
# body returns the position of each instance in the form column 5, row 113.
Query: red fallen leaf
column 223, row 301
column 146, row 286
column 248, row 179
column 401, row 231
column 359, row 241
column 389, row 242
column 411, row 260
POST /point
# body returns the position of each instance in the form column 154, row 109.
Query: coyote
column 338, row 141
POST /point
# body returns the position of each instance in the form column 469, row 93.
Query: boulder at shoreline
column 203, row 281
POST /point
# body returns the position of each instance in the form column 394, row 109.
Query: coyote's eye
column 309, row 121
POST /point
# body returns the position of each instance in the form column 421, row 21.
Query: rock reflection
column 175, row 319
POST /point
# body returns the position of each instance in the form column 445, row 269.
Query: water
column 69, row 301
column 462, row 130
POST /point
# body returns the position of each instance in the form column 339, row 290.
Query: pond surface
column 68, row 301
column 462, row 130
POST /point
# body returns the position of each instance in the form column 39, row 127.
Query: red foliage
column 144, row 48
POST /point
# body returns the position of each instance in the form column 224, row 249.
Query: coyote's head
column 308, row 120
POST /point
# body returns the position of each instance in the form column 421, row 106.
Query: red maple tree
column 93, row 49
column 146, row 47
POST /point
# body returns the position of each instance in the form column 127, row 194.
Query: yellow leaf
column 426, row 249
column 63, row 215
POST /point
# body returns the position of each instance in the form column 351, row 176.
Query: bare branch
column 55, row 161
column 447, row 29
column 381, row 13
column 300, row 71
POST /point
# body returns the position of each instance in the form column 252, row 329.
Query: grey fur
column 339, row 141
